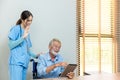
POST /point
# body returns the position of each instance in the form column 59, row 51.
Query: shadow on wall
column 4, row 54
column 29, row 72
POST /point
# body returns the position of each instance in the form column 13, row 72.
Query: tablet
column 69, row 68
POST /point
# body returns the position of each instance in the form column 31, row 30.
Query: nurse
column 19, row 44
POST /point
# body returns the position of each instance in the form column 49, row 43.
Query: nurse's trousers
column 17, row 72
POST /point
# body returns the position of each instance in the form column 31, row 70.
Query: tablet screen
column 69, row 68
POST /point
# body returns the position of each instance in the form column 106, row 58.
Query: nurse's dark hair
column 24, row 15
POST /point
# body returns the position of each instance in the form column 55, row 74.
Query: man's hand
column 64, row 64
column 70, row 75
column 50, row 68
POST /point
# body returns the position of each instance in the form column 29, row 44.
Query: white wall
column 52, row 18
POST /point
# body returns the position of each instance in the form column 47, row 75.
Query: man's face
column 55, row 47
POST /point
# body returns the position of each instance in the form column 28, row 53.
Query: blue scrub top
column 19, row 55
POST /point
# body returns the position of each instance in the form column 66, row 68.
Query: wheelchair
column 34, row 69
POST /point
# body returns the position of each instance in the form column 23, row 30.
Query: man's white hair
column 53, row 40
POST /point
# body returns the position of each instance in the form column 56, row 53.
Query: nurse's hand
column 39, row 54
column 26, row 32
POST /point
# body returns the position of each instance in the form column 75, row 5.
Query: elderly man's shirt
column 44, row 61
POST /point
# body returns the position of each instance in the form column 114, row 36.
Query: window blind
column 96, row 38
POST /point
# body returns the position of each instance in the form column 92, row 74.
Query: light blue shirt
column 44, row 61
column 19, row 47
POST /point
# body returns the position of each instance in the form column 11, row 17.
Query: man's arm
column 41, row 67
column 50, row 68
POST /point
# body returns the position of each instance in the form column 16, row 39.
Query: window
column 96, row 38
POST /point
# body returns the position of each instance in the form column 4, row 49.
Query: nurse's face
column 27, row 22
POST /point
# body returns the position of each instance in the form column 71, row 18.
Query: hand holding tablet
column 68, row 70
